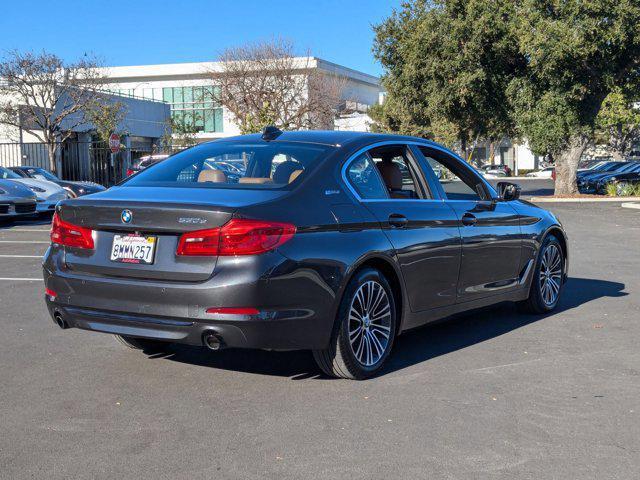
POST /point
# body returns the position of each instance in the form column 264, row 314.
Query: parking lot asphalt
column 493, row 394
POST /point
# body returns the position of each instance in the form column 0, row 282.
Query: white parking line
column 20, row 256
column 25, row 230
column 21, row 279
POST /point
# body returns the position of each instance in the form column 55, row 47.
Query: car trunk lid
column 164, row 213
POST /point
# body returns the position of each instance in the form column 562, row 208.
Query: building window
column 194, row 106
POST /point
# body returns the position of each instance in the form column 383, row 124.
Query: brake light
column 50, row 293
column 199, row 243
column 69, row 235
column 236, row 237
column 129, row 172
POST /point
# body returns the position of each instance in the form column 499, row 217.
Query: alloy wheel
column 369, row 323
column 550, row 276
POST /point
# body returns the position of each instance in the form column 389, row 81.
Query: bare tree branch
column 47, row 97
column 266, row 84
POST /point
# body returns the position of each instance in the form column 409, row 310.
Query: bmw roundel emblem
column 126, row 216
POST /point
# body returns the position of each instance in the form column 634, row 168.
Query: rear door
column 490, row 230
column 422, row 229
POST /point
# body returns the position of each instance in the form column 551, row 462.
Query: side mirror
column 508, row 191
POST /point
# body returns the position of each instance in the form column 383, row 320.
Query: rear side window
column 233, row 165
column 364, row 178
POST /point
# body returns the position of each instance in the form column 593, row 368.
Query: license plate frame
column 141, row 249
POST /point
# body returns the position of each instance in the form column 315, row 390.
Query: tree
column 183, row 132
column 618, row 122
column 447, row 68
column 46, row 96
column 106, row 117
column 577, row 53
column 266, row 84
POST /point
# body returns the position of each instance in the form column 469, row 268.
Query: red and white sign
column 114, row 143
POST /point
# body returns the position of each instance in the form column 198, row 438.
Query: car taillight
column 236, row 237
column 129, row 172
column 69, row 235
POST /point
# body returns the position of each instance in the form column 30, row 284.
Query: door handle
column 398, row 221
column 469, row 219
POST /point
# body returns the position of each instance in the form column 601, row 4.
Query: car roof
column 24, row 167
column 328, row 137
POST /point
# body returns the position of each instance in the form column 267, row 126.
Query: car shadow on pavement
column 411, row 348
column 40, row 219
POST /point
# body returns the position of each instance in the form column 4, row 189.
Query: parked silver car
column 48, row 194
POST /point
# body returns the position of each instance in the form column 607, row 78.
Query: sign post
column 114, row 146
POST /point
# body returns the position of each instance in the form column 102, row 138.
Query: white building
column 516, row 156
column 183, row 86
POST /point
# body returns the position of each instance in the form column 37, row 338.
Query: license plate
column 133, row 249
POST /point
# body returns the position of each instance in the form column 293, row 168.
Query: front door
column 489, row 229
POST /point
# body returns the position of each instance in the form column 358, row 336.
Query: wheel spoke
column 353, row 336
column 384, row 312
column 376, row 343
column 379, row 297
column 358, row 352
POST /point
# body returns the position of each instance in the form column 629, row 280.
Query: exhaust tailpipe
column 57, row 316
column 212, row 341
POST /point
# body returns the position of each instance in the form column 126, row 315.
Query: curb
column 584, row 200
column 631, row 205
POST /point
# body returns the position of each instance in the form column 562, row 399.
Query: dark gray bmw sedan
column 330, row 241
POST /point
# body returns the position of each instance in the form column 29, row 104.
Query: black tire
column 536, row 302
column 136, row 343
column 339, row 359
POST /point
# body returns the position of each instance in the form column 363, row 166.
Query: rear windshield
column 233, row 165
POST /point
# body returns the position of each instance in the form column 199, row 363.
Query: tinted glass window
column 457, row 181
column 6, row 173
column 364, row 178
column 233, row 165
column 396, row 171
column 42, row 174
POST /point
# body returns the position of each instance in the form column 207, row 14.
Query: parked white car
column 48, row 194
column 544, row 173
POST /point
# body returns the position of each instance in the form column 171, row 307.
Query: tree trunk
column 51, row 150
column 492, row 151
column 617, row 154
column 567, row 166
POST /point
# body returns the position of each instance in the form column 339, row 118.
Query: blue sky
column 145, row 32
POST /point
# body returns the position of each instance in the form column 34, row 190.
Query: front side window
column 458, row 182
column 233, row 165
column 363, row 177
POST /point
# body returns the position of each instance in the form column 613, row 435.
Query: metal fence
column 85, row 161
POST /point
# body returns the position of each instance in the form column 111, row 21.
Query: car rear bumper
column 17, row 208
column 295, row 310
column 283, row 330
